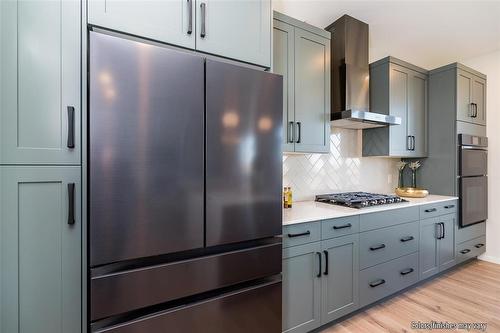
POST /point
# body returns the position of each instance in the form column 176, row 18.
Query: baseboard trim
column 491, row 259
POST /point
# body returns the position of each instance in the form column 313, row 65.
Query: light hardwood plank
column 470, row 293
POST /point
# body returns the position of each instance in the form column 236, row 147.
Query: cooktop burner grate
column 359, row 199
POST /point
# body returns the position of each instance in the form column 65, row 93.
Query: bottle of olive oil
column 285, row 197
column 289, row 196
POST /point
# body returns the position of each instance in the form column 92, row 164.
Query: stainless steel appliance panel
column 473, row 200
column 255, row 309
column 146, row 119
column 473, row 162
column 121, row 292
column 243, row 153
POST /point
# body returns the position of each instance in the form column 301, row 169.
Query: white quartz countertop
column 307, row 211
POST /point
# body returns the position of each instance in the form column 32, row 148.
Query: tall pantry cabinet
column 40, row 166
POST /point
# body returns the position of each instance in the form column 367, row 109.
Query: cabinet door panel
column 239, row 30
column 417, row 113
column 41, row 252
column 166, row 21
column 398, row 104
column 339, row 290
column 283, row 64
column 464, row 96
column 40, row 67
column 447, row 244
column 429, row 248
column 312, row 92
column 479, row 98
column 301, row 288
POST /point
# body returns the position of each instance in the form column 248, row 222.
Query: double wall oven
column 473, row 179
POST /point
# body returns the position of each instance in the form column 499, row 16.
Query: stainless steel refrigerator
column 184, row 191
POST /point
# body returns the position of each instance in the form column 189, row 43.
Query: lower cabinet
column 339, row 283
column 302, row 273
column 40, row 247
column 437, row 244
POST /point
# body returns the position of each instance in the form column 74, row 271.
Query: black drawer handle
column 326, row 262
column 377, row 283
column 71, row 127
column 465, row 251
column 71, row 203
column 319, row 263
column 407, row 239
column 378, row 247
column 478, row 246
column 430, row 210
column 449, row 206
column 407, row 271
column 307, row 233
column 337, row 227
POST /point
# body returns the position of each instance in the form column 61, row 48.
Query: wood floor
column 469, row 294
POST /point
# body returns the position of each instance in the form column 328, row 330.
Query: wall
column 343, row 169
column 489, row 64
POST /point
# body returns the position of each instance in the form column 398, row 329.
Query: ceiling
column 425, row 33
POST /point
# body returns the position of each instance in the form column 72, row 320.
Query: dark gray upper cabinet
column 40, row 82
column 301, row 53
column 400, row 89
column 471, row 96
column 239, row 30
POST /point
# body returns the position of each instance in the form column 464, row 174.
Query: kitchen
column 145, row 146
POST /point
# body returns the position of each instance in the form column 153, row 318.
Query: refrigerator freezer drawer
column 256, row 309
column 130, row 290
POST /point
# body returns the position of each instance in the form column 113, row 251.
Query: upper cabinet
column 399, row 89
column 40, row 82
column 301, row 53
column 239, row 30
column 471, row 96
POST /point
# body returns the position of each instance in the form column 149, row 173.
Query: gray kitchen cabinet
column 239, row 30
column 40, row 248
column 437, row 244
column 302, row 287
column 302, row 56
column 471, row 96
column 399, row 89
column 40, row 82
column 339, row 291
column 166, row 21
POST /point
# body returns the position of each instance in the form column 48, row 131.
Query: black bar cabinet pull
column 203, row 18
column 412, row 142
column 71, row 127
column 290, row 132
column 407, row 239
column 306, row 233
column 71, row 203
column 326, row 262
column 377, row 283
column 475, row 110
column 465, row 251
column 406, row 271
column 430, row 210
column 299, row 132
column 471, row 110
column 449, row 206
column 378, row 247
column 319, row 263
column 478, row 246
column 190, row 17
column 444, row 233
column 336, row 227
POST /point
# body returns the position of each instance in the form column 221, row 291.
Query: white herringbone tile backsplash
column 343, row 169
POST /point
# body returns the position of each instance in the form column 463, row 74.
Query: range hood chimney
column 351, row 77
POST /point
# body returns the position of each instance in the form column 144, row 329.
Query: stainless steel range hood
column 351, row 77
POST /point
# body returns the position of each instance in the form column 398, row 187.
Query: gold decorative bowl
column 412, row 192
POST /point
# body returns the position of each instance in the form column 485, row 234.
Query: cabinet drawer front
column 339, row 227
column 382, row 280
column 382, row 245
column 471, row 232
column 438, row 209
column 471, row 249
column 303, row 233
column 244, row 311
column 388, row 218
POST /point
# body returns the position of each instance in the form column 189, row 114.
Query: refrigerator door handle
column 190, row 17
column 203, row 9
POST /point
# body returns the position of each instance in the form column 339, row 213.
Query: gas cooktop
column 359, row 199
